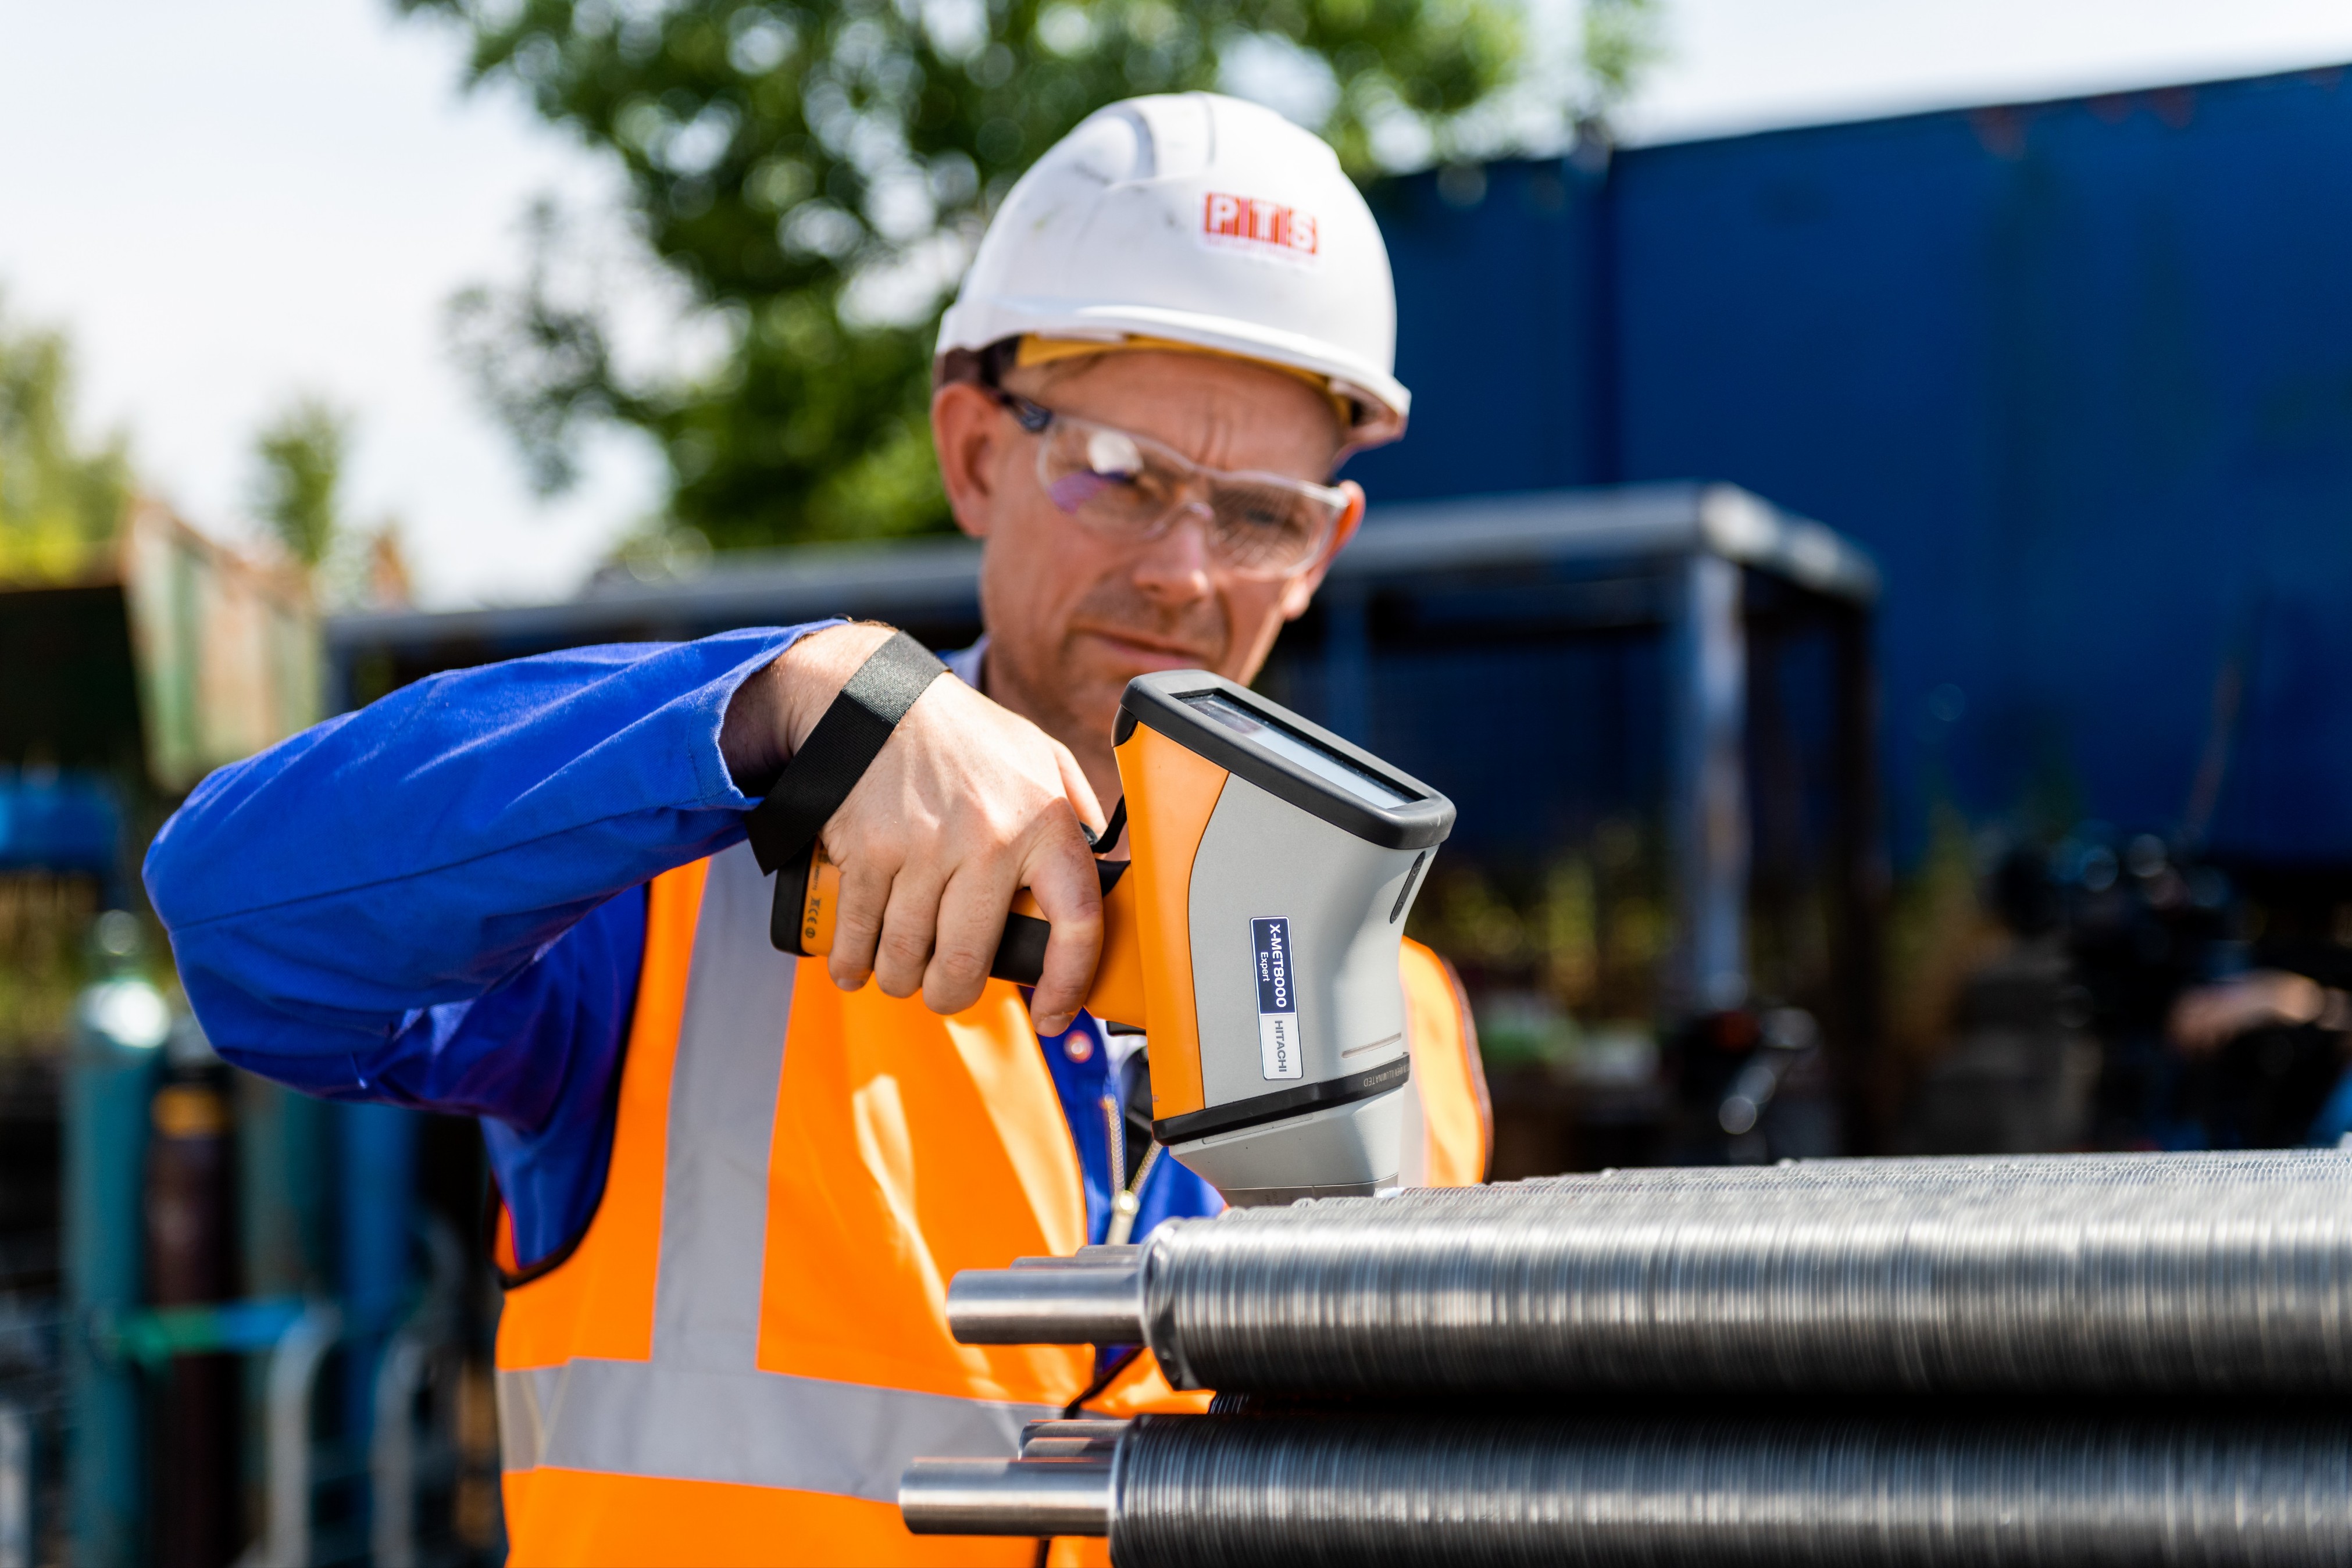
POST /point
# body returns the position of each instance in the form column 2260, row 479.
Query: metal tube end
column 1071, row 1439
column 1006, row 1497
column 1076, row 1305
column 1126, row 1255
column 1089, row 1427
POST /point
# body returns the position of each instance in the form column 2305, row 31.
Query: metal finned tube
column 2219, row 1276
column 1076, row 1305
column 1658, row 1492
column 2193, row 1168
column 1006, row 1497
column 2198, row 1168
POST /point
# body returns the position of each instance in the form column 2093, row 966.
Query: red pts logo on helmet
column 1264, row 227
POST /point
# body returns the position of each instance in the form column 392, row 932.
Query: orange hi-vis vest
column 748, row 1343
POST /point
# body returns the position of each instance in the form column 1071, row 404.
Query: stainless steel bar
column 392, row 1451
column 15, row 1485
column 1006, row 1497
column 293, row 1374
column 1076, row 1304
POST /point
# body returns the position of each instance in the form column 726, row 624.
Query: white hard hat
column 1198, row 221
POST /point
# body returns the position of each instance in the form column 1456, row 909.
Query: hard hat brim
column 1385, row 402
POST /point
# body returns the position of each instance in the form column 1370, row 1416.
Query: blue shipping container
column 2078, row 373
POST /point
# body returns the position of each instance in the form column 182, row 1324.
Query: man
column 732, row 1195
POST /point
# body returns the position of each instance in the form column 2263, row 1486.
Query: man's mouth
column 1150, row 653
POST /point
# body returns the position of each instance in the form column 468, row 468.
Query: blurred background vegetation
column 818, row 174
column 64, row 497
column 299, row 456
column 61, row 499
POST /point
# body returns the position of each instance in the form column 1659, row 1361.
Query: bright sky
column 1740, row 65
column 228, row 204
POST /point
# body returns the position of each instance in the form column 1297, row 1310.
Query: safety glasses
column 1257, row 525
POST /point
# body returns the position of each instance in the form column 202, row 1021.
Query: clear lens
column 1265, row 527
column 1121, row 483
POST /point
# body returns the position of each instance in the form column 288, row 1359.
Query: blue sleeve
column 438, row 901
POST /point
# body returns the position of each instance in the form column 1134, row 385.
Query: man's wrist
column 771, row 714
column 810, row 673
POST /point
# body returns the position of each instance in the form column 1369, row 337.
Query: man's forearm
column 418, row 852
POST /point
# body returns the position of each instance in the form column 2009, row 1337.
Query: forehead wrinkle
column 1216, row 431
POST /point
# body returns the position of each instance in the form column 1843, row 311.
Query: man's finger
column 1061, row 874
column 971, row 925
column 1082, row 799
column 904, row 951
column 857, row 921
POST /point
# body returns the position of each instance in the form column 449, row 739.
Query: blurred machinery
column 226, row 1321
column 2061, row 1035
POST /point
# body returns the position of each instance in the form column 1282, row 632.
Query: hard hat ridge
column 1194, row 219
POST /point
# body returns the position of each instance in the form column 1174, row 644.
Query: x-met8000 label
column 1277, row 1000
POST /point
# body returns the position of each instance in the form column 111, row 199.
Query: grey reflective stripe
column 701, row 1409
column 522, row 1429
column 759, row 1428
column 723, row 1113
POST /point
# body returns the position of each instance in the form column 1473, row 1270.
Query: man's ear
column 1299, row 591
column 967, row 429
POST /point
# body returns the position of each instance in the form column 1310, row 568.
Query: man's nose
column 1173, row 566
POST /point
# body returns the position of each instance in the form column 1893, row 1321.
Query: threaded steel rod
column 2216, row 1275
column 2218, row 1272
column 1737, row 1491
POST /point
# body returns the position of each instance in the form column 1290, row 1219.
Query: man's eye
column 1258, row 512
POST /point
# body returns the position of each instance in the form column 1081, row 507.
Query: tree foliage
column 1619, row 39
column 298, row 494
column 817, row 172
column 61, row 501
column 299, row 458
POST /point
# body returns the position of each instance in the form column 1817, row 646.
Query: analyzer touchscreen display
column 1325, row 765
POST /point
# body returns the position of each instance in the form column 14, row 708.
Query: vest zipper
column 1127, row 1198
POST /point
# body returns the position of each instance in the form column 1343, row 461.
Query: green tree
column 1618, row 40
column 817, row 172
column 298, row 494
column 62, row 502
column 299, row 469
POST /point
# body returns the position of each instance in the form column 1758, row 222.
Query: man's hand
column 2210, row 1017
column 966, row 805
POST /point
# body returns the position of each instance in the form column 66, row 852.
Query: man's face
column 1074, row 613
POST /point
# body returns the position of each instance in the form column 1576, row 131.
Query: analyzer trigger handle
column 808, row 893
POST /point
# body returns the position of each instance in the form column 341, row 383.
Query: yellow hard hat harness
column 1253, row 936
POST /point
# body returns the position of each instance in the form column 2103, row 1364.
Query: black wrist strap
column 839, row 751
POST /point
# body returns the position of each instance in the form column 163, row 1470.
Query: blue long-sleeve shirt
column 438, row 901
